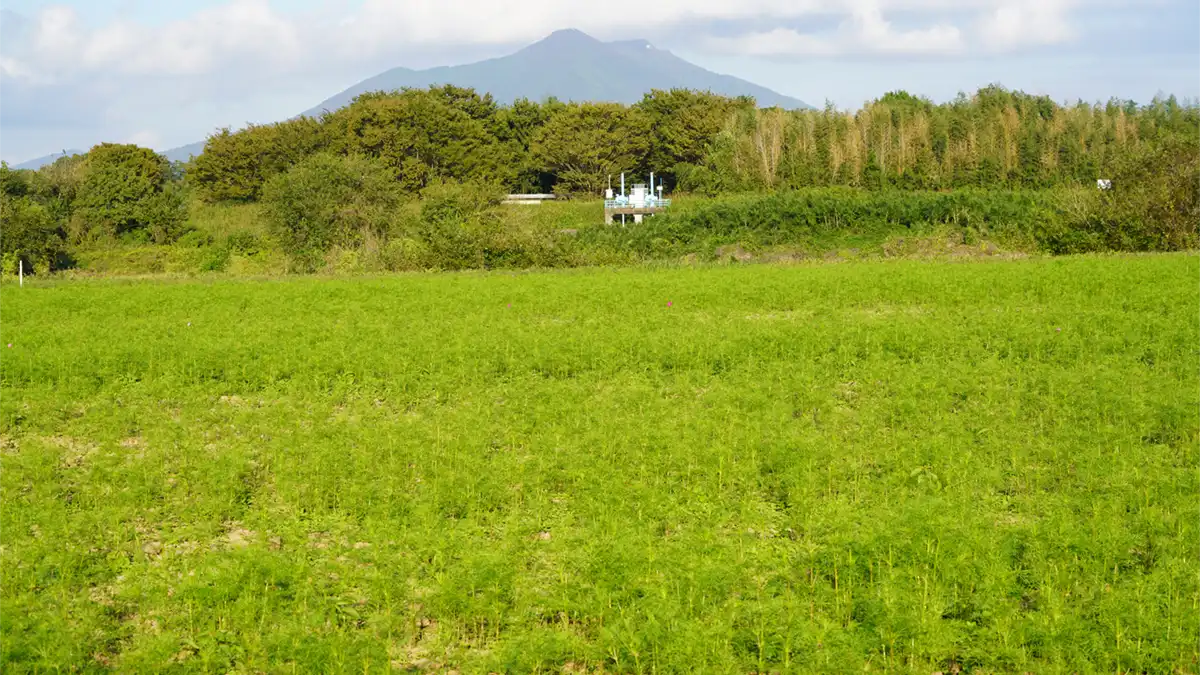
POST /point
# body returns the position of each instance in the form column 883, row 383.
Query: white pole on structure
column 20, row 272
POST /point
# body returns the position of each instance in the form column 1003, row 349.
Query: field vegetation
column 905, row 466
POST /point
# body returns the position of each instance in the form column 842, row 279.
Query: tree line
column 703, row 142
column 332, row 180
column 423, row 136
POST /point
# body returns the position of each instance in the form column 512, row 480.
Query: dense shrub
column 457, row 222
column 682, row 125
column 461, row 226
column 811, row 216
column 516, row 126
column 29, row 231
column 326, row 201
column 1154, row 206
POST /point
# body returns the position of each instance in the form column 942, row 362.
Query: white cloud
column 18, row 70
column 1027, row 22
column 864, row 32
column 70, row 82
column 436, row 21
column 146, row 138
column 259, row 36
column 59, row 45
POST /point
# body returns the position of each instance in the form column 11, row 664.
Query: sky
column 162, row 73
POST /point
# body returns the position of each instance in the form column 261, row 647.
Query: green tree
column 59, row 183
column 125, row 193
column 235, row 165
column 479, row 108
column 28, row 233
column 683, row 123
column 14, row 182
column 515, row 127
column 585, row 143
column 420, row 136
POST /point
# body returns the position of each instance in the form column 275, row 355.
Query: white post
column 622, row 185
column 21, row 272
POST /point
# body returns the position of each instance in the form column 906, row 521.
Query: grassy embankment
column 817, row 223
column 894, row 465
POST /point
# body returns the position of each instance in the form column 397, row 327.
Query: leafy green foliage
column 711, row 144
column 57, row 185
column 125, row 192
column 708, row 144
column 235, row 165
column 326, row 201
column 1154, row 206
column 461, row 227
column 14, row 182
column 515, row 127
column 682, row 125
column 28, row 234
column 33, row 212
column 822, row 220
column 583, row 144
column 422, row 136
column 455, row 220
column 479, row 108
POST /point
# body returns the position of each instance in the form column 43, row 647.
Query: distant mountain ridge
column 568, row 65
column 47, row 160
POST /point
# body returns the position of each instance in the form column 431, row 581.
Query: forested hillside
column 422, row 170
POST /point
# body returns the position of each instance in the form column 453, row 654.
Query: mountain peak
column 568, row 37
column 569, row 65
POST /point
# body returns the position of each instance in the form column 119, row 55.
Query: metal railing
column 626, row 204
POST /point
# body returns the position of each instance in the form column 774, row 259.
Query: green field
column 902, row 466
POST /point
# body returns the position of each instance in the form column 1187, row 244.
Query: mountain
column 184, row 152
column 180, row 154
column 47, row 160
column 571, row 66
column 568, row 65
